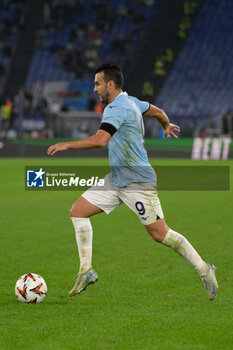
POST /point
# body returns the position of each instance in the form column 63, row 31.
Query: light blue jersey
column 127, row 155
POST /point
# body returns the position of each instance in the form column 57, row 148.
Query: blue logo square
column 35, row 178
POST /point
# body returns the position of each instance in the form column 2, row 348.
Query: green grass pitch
column 147, row 297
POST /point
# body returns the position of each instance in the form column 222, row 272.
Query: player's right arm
column 161, row 116
column 100, row 139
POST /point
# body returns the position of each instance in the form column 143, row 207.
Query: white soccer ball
column 31, row 288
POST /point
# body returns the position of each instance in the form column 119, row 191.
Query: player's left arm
column 100, row 139
column 168, row 128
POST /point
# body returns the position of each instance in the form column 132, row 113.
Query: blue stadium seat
column 201, row 82
column 45, row 68
column 9, row 35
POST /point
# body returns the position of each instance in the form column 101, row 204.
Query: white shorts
column 142, row 198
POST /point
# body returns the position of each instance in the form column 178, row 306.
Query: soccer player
column 132, row 179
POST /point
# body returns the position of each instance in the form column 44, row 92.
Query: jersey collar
column 121, row 93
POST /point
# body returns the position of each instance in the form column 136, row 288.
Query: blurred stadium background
column 176, row 54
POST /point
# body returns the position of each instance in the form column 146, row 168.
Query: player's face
column 101, row 88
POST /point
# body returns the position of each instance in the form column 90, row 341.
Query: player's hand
column 62, row 146
column 169, row 130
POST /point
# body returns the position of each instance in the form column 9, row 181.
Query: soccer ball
column 31, row 288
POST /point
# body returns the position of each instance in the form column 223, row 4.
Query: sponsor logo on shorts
column 145, row 218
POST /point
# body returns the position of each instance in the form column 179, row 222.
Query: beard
column 105, row 98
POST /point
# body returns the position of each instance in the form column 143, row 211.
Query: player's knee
column 74, row 211
column 157, row 236
column 157, row 231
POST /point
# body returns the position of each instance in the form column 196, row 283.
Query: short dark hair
column 112, row 72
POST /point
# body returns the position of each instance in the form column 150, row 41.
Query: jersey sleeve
column 142, row 105
column 113, row 115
